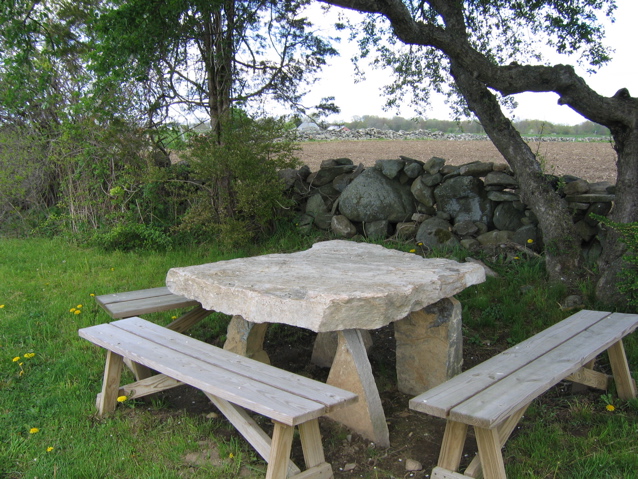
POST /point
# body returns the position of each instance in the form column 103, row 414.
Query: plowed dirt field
column 593, row 161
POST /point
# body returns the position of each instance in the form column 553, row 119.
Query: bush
column 240, row 193
column 133, row 236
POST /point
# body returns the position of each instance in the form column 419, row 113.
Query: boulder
column 464, row 198
column 374, row 197
column 436, row 233
column 507, row 217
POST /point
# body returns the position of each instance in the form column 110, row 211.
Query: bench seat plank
column 243, row 388
column 299, row 385
column 440, row 400
column 144, row 301
column 491, row 406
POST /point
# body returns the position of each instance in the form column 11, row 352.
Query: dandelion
column 516, row 257
column 34, row 430
column 112, row 269
column 77, row 311
column 1, row 306
column 419, row 244
column 610, row 407
column 16, row 359
column 92, row 294
column 173, row 317
column 412, row 251
column 72, row 310
column 530, row 241
column 231, row 455
column 50, row 448
column 122, row 398
column 79, row 306
column 29, row 355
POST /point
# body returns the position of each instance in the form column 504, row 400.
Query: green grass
column 54, row 391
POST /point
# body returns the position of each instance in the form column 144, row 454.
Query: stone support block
column 247, row 339
column 429, row 346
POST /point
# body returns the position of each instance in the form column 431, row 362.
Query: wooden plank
column 107, row 400
column 264, row 399
column 326, row 394
column 493, row 405
column 125, row 309
column 105, row 299
column 189, row 319
column 452, row 445
column 625, row 385
column 592, row 379
column 489, row 446
column 439, row 400
column 322, row 471
column 279, row 451
column 311, row 443
column 441, row 473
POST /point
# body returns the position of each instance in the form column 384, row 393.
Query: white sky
column 365, row 98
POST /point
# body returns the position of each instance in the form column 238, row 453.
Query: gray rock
column 601, row 209
column 585, row 231
column 336, row 162
column 502, row 196
column 377, row 229
column 476, row 168
column 406, row 230
column 434, row 165
column 374, row 197
column 390, row 168
column 506, row 217
column 578, row 187
column 499, row 178
column 412, row 170
column 470, row 244
column 423, row 193
column 435, row 233
column 524, row 234
column 465, row 228
column 591, row 198
column 341, row 226
column 464, row 198
column 325, row 175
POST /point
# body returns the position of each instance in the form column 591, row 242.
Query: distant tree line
column 526, row 127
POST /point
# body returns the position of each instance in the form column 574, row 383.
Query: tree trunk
column 562, row 246
column 625, row 210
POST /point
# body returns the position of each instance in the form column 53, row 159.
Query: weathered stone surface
column 591, row 198
column 524, row 234
column 377, row 229
column 476, row 168
column 578, row 187
column 502, row 196
column 390, row 168
column 351, row 370
column 336, row 162
column 507, row 217
column 464, row 198
column 436, row 233
column 434, row 165
column 465, row 228
column 601, row 209
column 429, row 346
column 423, row 193
column 499, row 178
column 334, row 285
column 317, row 209
column 406, row 230
column 495, row 237
column 413, row 169
column 325, row 175
column 341, row 226
column 247, row 339
column 373, row 197
column 432, row 180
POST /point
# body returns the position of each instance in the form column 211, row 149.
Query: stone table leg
column 247, row 339
column 325, row 347
column 429, row 346
column 351, row 370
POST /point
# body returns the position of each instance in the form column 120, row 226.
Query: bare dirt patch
column 592, row 161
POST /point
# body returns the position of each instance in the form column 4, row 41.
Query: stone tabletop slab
column 335, row 285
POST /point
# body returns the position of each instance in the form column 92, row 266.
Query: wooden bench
column 153, row 300
column 232, row 382
column 493, row 396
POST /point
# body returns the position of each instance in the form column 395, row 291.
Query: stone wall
column 437, row 205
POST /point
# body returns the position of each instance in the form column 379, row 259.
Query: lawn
column 49, row 378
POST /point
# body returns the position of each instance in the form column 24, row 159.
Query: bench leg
column 107, row 399
column 189, row 319
column 452, row 445
column 311, row 443
column 625, row 384
column 489, row 446
column 280, row 451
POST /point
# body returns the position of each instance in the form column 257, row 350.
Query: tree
column 210, row 56
column 481, row 45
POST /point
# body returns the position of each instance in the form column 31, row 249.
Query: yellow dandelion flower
column 79, row 306
column 412, row 251
column 1, row 306
column 610, row 407
column 122, row 398
column 34, row 430
column 72, row 310
column 21, row 372
column 231, row 455
column 50, row 448
column 173, row 317
column 92, row 294
column 419, row 244
column 16, row 359
column 530, row 241
column 29, row 355
column 112, row 269
column 77, row 311
column 516, row 257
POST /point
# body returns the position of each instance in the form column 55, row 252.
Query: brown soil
column 593, row 161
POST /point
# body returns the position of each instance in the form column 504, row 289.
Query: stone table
column 346, row 287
